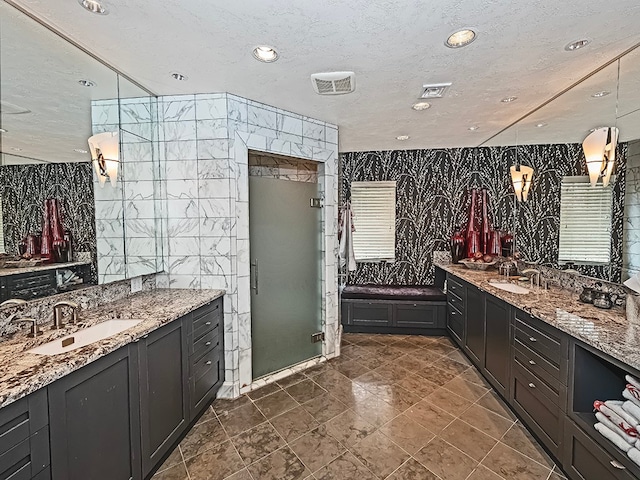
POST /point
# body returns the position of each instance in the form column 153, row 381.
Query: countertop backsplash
column 42, row 309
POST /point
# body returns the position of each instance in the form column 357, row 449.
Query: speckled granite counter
column 606, row 330
column 22, row 373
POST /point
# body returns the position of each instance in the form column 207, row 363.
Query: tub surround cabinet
column 121, row 415
column 548, row 377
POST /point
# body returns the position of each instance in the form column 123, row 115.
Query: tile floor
column 391, row 407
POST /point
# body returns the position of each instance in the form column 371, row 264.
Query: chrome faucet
column 57, row 313
column 535, row 274
column 13, row 301
column 35, row 331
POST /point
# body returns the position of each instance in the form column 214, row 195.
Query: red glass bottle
column 473, row 235
column 45, row 243
column 457, row 247
column 486, row 226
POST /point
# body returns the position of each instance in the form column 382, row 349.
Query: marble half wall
column 631, row 244
column 204, row 144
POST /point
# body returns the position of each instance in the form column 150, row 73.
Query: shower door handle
column 254, row 264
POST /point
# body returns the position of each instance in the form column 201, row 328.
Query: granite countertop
column 5, row 272
column 606, row 330
column 22, row 373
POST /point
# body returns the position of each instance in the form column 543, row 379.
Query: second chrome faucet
column 58, row 310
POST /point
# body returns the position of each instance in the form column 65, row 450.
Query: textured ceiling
column 394, row 46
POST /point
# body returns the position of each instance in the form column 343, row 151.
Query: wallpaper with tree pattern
column 433, row 200
column 24, row 189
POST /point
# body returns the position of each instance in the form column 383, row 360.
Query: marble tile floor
column 391, row 407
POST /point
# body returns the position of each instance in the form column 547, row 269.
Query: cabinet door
column 474, row 341
column 497, row 353
column 455, row 324
column 164, row 412
column 94, row 428
column 371, row 314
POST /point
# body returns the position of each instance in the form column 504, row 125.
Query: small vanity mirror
column 54, row 97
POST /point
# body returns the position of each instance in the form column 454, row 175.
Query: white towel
column 626, row 393
column 612, row 413
column 634, row 454
column 613, row 437
column 638, row 443
column 347, row 256
column 633, row 381
column 617, row 407
column 614, row 428
column 632, row 409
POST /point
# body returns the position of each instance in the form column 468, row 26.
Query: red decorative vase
column 46, row 241
column 486, row 226
column 473, row 235
column 58, row 243
column 495, row 245
column 457, row 247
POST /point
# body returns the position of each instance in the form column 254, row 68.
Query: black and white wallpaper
column 24, row 189
column 433, row 200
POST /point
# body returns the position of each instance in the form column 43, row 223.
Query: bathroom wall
column 24, row 189
column 433, row 200
column 631, row 247
column 204, row 151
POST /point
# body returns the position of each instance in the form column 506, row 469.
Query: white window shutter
column 585, row 221
column 374, row 218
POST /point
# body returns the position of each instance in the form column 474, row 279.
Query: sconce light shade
column 521, row 178
column 106, row 156
column 600, row 153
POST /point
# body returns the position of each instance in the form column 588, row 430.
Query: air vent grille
column 434, row 90
column 333, row 83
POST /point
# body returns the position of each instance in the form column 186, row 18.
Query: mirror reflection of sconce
column 105, row 154
column 600, row 152
column 521, row 177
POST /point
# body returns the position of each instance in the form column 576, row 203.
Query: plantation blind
column 585, row 221
column 2, row 248
column 374, row 218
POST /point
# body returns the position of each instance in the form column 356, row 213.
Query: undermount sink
column 84, row 337
column 510, row 287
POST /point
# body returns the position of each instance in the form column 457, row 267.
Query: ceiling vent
column 434, row 90
column 333, row 83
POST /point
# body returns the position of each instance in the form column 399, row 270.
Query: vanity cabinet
column 94, row 420
column 456, row 296
column 164, row 402
column 474, row 344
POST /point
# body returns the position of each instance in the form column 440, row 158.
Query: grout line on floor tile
column 184, row 462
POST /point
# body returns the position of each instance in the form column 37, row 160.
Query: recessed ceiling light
column 16, row 149
column 94, row 7
column 541, row 124
column 265, row 53
column 509, row 99
column 577, row 45
column 421, row 106
column 461, row 38
column 600, row 94
column 79, row 150
column 87, row 83
column 402, row 138
column 473, row 128
column 3, row 130
column 178, row 76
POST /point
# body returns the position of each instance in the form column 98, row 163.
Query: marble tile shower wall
column 204, row 145
column 631, row 245
column 129, row 215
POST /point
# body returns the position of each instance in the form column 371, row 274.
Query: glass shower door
column 285, row 275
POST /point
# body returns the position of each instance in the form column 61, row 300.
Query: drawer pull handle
column 533, row 339
column 208, row 323
column 453, row 313
column 531, row 385
column 207, row 344
column 617, row 465
column 208, row 362
column 531, row 362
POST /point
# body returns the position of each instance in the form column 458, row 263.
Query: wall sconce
column 521, row 178
column 105, row 154
column 600, row 152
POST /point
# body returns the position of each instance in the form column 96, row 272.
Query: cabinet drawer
column 371, row 314
column 21, row 419
column 204, row 362
column 455, row 286
column 205, row 377
column 419, row 315
column 455, row 301
column 539, row 340
column 26, row 458
column 205, row 324
column 205, row 343
column 537, row 365
column 541, row 414
column 456, row 323
column 584, row 459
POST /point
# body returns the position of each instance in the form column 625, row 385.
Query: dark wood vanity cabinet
column 164, row 391
column 474, row 344
column 94, row 420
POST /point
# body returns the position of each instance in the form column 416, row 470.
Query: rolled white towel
column 632, row 409
column 638, row 444
column 633, row 381
column 633, row 390
column 626, row 393
column 634, row 454
column 612, row 412
column 613, row 437
column 617, row 407
column 614, row 428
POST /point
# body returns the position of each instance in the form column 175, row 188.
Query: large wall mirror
column 610, row 97
column 54, row 97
